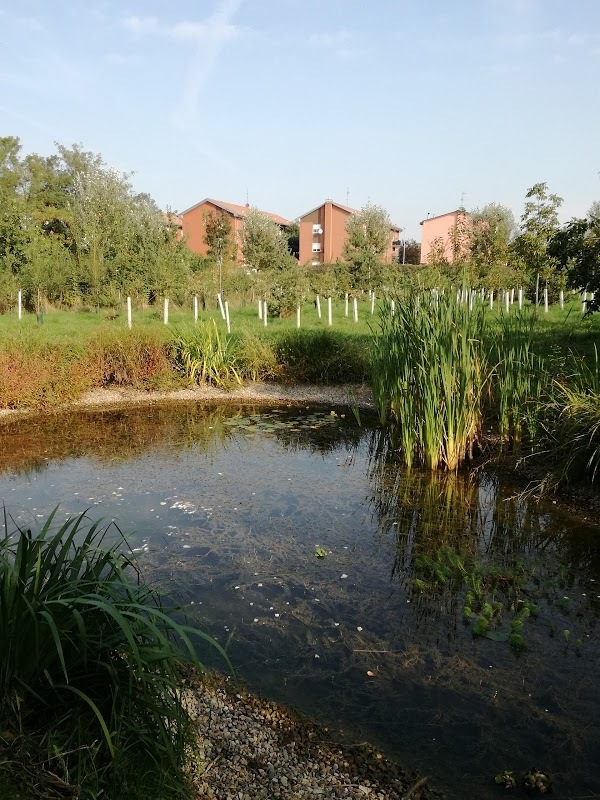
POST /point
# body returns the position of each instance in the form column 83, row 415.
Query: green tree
column 293, row 239
column 222, row 248
column 13, row 235
column 410, row 252
column 492, row 228
column 264, row 245
column 539, row 223
column 368, row 238
column 576, row 250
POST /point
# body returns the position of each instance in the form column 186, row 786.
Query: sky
column 419, row 107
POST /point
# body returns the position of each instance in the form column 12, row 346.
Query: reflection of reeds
column 429, row 373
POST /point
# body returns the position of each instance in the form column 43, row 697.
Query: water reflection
column 228, row 506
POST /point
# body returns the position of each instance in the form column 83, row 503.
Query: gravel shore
column 255, row 393
column 251, row 749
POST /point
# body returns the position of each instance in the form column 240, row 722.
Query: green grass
column 90, row 669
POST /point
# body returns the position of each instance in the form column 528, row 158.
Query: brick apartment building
column 323, row 234
column 438, row 232
column 194, row 223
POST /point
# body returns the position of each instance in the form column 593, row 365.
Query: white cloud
column 212, row 29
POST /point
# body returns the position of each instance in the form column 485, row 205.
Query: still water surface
column 228, row 505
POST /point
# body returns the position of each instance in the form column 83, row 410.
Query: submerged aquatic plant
column 429, row 373
column 90, row 664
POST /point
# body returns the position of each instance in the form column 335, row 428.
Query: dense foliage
column 73, row 232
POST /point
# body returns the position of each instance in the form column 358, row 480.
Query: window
column 316, row 248
column 317, row 229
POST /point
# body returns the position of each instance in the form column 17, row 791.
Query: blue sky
column 413, row 106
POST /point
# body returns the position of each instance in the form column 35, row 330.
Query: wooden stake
column 19, row 305
column 221, row 305
column 195, row 309
column 227, row 316
column 346, row 305
column 329, row 317
column 129, row 312
column 318, row 307
column 166, row 311
column 298, row 315
column 355, row 308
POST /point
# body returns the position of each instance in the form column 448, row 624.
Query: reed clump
column 519, row 377
column 205, row 355
column 429, row 373
column 90, row 668
column 572, row 423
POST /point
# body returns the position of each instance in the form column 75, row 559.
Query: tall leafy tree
column 222, row 247
column 539, row 223
column 491, row 230
column 13, row 233
column 576, row 250
column 264, row 245
column 368, row 238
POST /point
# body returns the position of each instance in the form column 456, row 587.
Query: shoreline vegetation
column 446, row 372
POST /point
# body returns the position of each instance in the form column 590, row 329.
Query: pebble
column 252, row 749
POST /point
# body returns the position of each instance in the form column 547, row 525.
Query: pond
column 344, row 586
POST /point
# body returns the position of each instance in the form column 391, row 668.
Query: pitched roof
column 333, row 203
column 236, row 210
column 447, row 214
column 348, row 209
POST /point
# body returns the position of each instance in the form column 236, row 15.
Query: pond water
column 345, row 587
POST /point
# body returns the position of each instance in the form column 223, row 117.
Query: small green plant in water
column 506, row 779
column 320, row 552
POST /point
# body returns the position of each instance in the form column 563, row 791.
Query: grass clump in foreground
column 90, row 670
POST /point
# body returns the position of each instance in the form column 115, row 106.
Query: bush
column 89, row 669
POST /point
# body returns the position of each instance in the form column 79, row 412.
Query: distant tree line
column 489, row 249
column 73, row 231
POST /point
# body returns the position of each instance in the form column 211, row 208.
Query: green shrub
column 89, row 668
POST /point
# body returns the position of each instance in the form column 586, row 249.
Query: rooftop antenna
column 347, row 195
column 247, row 203
column 462, row 199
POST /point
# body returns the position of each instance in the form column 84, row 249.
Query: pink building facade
column 438, row 234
